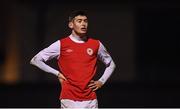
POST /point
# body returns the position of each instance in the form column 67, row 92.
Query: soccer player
column 77, row 56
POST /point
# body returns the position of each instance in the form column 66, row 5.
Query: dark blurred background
column 142, row 37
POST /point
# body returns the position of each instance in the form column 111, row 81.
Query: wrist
column 101, row 80
column 58, row 74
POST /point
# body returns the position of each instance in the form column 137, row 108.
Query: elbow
column 32, row 61
column 35, row 61
column 113, row 65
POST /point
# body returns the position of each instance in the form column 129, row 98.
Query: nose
column 84, row 23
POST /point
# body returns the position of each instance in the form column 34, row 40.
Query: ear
column 70, row 25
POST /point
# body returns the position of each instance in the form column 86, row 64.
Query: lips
column 83, row 29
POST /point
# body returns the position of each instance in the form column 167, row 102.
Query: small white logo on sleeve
column 89, row 51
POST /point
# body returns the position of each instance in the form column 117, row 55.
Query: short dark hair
column 75, row 13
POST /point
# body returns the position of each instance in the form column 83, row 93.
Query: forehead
column 81, row 17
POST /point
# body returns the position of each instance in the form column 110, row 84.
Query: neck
column 79, row 36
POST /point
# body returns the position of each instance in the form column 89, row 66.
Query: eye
column 79, row 21
column 86, row 20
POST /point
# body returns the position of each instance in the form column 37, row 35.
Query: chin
column 83, row 33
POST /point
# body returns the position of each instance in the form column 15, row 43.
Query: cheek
column 77, row 27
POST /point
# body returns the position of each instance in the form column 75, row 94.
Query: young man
column 77, row 57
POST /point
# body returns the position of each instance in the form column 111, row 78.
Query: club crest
column 89, row 51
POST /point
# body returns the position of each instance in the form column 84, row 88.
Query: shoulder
column 64, row 38
column 94, row 40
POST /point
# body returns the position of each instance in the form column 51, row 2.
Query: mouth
column 83, row 29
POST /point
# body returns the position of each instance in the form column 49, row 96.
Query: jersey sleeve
column 53, row 51
column 105, row 57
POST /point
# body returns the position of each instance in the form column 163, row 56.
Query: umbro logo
column 69, row 50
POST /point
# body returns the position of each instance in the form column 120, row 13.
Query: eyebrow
column 82, row 19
